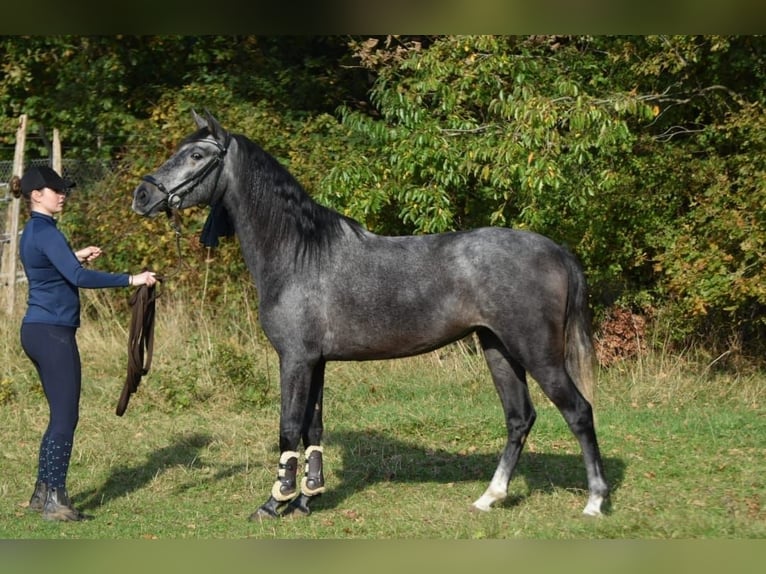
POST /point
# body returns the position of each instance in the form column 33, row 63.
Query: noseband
column 175, row 196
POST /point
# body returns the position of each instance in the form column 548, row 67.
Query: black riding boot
column 37, row 501
column 59, row 507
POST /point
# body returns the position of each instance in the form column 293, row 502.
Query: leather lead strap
column 140, row 342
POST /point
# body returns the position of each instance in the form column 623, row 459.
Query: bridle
column 175, row 196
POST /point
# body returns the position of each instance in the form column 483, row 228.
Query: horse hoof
column 298, row 508
column 263, row 514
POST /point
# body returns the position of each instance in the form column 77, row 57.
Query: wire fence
column 83, row 173
column 80, row 171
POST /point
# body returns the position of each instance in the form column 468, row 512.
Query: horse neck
column 249, row 232
column 280, row 228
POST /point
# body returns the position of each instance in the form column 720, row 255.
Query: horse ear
column 212, row 124
column 199, row 120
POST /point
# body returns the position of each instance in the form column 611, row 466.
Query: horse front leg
column 313, row 483
column 300, row 418
column 295, row 388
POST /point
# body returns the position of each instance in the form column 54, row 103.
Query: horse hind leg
column 510, row 381
column 578, row 413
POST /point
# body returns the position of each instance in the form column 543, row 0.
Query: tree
column 487, row 130
column 97, row 89
column 643, row 154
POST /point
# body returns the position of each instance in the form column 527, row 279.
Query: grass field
column 409, row 444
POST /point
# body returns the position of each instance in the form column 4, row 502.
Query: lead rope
column 175, row 223
column 141, row 330
column 140, row 342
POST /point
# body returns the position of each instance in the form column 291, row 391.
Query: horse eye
column 196, row 156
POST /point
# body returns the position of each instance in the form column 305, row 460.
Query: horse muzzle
column 148, row 200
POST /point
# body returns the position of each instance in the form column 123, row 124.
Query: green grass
column 409, row 445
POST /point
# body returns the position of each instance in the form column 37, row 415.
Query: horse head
column 191, row 176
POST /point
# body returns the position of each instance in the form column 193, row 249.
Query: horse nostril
column 141, row 195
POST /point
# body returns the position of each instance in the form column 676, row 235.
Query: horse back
column 383, row 297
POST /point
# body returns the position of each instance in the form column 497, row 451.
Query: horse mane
column 276, row 201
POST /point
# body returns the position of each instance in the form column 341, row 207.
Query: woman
column 48, row 329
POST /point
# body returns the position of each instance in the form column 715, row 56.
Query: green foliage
column 483, row 130
column 715, row 261
column 642, row 154
column 98, row 89
column 605, row 144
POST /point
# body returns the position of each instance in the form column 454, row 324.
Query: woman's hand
column 87, row 254
column 146, row 278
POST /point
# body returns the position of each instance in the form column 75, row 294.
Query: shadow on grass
column 371, row 457
column 122, row 480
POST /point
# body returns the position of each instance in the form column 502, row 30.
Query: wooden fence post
column 10, row 253
column 56, row 153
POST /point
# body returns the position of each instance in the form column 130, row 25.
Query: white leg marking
column 593, row 508
column 485, row 502
column 497, row 490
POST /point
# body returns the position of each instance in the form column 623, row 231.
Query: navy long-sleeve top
column 55, row 275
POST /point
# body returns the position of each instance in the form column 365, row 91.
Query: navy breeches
column 53, row 350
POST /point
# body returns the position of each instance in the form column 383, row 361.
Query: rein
column 175, row 223
column 140, row 342
column 142, row 302
column 141, row 330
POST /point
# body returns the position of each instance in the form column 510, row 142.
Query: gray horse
column 329, row 290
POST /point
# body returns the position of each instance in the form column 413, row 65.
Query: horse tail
column 579, row 354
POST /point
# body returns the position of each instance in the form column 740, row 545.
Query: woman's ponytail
column 15, row 185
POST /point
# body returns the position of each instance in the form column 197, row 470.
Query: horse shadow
column 183, row 450
column 369, row 457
